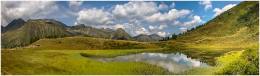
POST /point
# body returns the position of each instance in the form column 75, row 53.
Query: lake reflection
column 174, row 62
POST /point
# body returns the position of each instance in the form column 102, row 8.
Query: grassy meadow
column 26, row 62
column 229, row 44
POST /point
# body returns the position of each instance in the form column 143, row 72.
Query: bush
column 240, row 62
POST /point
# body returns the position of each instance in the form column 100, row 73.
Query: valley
column 225, row 45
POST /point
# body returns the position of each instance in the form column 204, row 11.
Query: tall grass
column 63, row 62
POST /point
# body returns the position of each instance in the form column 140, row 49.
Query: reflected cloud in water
column 174, row 62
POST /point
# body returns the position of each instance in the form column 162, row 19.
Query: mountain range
column 20, row 33
column 241, row 27
column 228, row 44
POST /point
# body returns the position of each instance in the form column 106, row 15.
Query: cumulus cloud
column 151, row 27
column 207, row 4
column 163, row 6
column 183, row 29
column 162, row 34
column 160, row 27
column 135, row 17
column 141, row 31
column 218, row 11
column 135, row 9
column 117, row 26
column 138, row 18
column 75, row 4
column 172, row 15
column 93, row 17
column 196, row 20
column 146, row 18
column 26, row 9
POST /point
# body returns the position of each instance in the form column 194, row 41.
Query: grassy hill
column 15, row 24
column 89, row 31
column 70, row 62
column 229, row 43
column 82, row 43
column 32, row 31
column 235, row 28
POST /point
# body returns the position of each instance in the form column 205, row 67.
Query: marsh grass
column 63, row 62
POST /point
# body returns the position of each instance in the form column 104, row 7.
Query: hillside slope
column 120, row 34
column 15, row 24
column 32, row 31
column 235, row 28
column 83, row 43
column 148, row 38
column 89, row 31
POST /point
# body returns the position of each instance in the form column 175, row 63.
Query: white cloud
column 207, row 4
column 172, row 15
column 183, row 29
column 196, row 20
column 151, row 27
column 75, row 4
column 218, row 11
column 119, row 26
column 93, row 17
column 141, row 31
column 145, row 17
column 135, row 9
column 26, row 9
column 135, row 17
column 163, row 6
column 161, row 34
column 162, row 27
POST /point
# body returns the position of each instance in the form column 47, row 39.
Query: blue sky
column 159, row 17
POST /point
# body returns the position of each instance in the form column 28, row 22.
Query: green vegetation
column 24, row 61
column 15, row 24
column 32, row 31
column 82, row 43
column 114, row 53
column 244, row 62
column 218, row 42
column 227, row 30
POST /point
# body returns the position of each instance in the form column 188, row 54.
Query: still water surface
column 174, row 62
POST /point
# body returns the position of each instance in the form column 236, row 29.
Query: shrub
column 244, row 62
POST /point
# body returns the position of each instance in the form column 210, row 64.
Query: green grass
column 233, row 30
column 26, row 62
column 83, row 43
column 228, row 30
column 244, row 62
column 114, row 53
column 211, row 43
column 30, row 32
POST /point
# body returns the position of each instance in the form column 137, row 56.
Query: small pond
column 173, row 62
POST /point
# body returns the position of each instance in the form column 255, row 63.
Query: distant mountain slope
column 120, row 34
column 15, row 24
column 235, row 28
column 32, row 31
column 20, row 34
column 90, row 31
column 147, row 38
column 83, row 43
